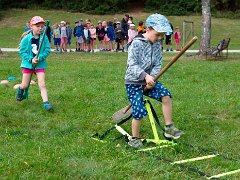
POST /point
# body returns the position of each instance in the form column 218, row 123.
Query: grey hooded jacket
column 143, row 58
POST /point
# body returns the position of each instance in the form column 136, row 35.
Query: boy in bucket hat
column 144, row 63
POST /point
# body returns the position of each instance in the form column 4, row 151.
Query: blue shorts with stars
column 135, row 96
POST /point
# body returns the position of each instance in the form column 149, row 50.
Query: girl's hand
column 150, row 81
column 35, row 60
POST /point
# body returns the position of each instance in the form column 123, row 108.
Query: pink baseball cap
column 37, row 19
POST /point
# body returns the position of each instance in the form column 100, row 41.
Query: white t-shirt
column 63, row 32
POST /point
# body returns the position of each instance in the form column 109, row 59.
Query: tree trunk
column 206, row 27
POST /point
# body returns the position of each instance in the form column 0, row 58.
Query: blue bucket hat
column 159, row 23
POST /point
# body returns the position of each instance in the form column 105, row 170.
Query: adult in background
column 124, row 24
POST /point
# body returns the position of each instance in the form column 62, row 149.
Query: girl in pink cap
column 29, row 47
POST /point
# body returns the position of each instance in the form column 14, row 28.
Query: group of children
column 110, row 35
column 62, row 36
column 143, row 64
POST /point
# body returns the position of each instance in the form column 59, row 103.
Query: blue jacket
column 111, row 34
column 27, row 55
column 143, row 58
column 78, row 31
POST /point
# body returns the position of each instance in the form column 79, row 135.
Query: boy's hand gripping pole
column 128, row 109
column 25, row 92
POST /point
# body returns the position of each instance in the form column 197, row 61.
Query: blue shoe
column 47, row 106
column 25, row 93
column 20, row 94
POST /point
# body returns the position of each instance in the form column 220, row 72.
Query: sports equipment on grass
column 11, row 78
column 4, row 82
column 126, row 111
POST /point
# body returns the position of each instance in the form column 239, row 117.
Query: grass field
column 86, row 89
column 14, row 21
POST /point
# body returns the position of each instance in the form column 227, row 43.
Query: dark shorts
column 125, row 35
column 135, row 96
column 87, row 41
column 57, row 41
column 168, row 40
column 100, row 38
column 69, row 41
column 118, row 40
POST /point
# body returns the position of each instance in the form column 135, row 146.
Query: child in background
column 100, row 34
column 177, row 37
column 27, row 28
column 30, row 63
column 168, row 40
column 129, row 22
column 69, row 35
column 92, row 37
column 111, row 35
column 64, row 37
column 131, row 33
column 144, row 63
column 74, row 34
column 49, row 34
column 131, row 19
column 115, row 20
column 56, row 37
column 106, row 38
column 140, row 28
column 119, row 36
column 86, row 38
column 78, row 33
column 88, row 22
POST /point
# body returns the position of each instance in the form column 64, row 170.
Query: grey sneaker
column 135, row 143
column 173, row 132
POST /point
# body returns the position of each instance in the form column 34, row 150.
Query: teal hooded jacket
column 27, row 55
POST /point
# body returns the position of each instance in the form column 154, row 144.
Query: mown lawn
column 14, row 21
column 86, row 89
